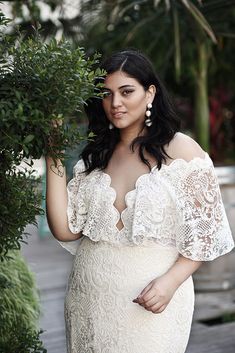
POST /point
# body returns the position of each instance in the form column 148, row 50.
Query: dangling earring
column 111, row 126
column 148, row 121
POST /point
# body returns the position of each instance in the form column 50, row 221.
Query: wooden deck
column 52, row 264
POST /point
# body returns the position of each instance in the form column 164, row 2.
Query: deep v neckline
column 164, row 166
column 119, row 214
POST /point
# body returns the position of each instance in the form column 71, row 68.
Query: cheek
column 139, row 103
column 105, row 105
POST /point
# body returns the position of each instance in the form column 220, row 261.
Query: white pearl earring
column 148, row 121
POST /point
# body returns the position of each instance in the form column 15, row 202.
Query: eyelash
column 125, row 93
column 106, row 94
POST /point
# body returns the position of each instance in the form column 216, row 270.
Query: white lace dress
column 172, row 211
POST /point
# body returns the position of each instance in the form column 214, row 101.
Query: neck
column 127, row 136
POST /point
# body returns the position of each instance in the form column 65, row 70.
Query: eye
column 106, row 94
column 127, row 92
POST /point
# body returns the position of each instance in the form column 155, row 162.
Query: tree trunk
column 201, row 107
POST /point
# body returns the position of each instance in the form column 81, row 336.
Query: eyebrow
column 124, row 86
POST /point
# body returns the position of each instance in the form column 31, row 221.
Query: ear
column 150, row 93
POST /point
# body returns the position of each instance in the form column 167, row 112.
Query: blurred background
column 191, row 44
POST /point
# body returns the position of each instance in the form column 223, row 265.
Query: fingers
column 157, row 308
column 58, row 121
column 150, row 301
column 146, row 294
column 153, row 297
column 153, row 306
column 146, row 297
column 145, row 290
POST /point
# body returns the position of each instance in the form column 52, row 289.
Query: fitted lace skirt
column 100, row 316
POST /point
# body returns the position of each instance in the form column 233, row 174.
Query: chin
column 129, row 125
column 120, row 124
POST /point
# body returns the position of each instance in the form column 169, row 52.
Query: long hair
column 165, row 122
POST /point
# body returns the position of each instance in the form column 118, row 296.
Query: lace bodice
column 179, row 205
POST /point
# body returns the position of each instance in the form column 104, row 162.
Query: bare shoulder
column 184, row 147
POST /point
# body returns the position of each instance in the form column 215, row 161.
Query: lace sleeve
column 76, row 210
column 203, row 231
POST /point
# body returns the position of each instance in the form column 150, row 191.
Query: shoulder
column 79, row 167
column 184, row 147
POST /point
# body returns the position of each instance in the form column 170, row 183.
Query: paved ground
column 51, row 263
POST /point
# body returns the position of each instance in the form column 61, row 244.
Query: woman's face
column 125, row 100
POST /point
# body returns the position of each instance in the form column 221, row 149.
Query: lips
column 118, row 114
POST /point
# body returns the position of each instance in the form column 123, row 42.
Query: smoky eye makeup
column 106, row 92
column 124, row 90
column 127, row 91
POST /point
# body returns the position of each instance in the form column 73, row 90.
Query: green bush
column 19, row 307
column 40, row 83
column 19, row 205
column 43, row 87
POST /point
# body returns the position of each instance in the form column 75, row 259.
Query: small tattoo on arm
column 58, row 170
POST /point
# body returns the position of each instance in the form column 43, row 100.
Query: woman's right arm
column 57, row 201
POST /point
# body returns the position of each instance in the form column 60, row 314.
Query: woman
column 146, row 206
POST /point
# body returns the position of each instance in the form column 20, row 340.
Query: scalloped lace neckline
column 118, row 213
column 142, row 176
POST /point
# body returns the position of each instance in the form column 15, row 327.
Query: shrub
column 40, row 83
column 19, row 307
column 43, row 87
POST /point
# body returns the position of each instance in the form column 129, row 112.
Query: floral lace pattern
column 99, row 313
column 175, row 210
column 179, row 206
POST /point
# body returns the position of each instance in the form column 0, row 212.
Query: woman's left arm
column 199, row 190
column 158, row 293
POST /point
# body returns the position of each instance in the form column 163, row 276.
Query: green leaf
column 198, row 16
column 28, row 138
column 18, row 95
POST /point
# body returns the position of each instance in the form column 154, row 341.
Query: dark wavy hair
column 165, row 122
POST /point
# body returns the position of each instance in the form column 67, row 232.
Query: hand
column 157, row 294
column 57, row 122
column 55, row 125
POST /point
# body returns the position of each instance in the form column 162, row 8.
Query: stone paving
column 52, row 264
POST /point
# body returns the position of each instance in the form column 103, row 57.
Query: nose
column 116, row 101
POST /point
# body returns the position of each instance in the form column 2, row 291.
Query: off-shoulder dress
column 175, row 210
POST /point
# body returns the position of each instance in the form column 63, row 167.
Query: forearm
column 57, row 201
column 182, row 269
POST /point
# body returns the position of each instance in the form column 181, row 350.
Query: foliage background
column 19, row 307
column 39, row 83
column 169, row 32
column 43, row 87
